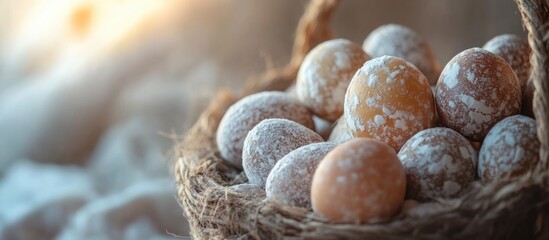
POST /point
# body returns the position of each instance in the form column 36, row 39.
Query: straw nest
column 505, row 210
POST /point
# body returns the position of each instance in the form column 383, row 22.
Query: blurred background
column 93, row 94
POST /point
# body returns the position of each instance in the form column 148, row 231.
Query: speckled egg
column 268, row 142
column 242, row 116
column 360, row 181
column 516, row 51
column 510, row 149
column 325, row 74
column 290, row 180
column 389, row 100
column 403, row 42
column 476, row 90
column 439, row 163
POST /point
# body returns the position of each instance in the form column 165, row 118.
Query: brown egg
column 389, row 100
column 242, row 116
column 516, row 51
column 510, row 149
column 359, row 181
column 340, row 133
column 476, row 90
column 290, row 180
column 325, row 74
column 439, row 163
column 403, row 42
column 268, row 142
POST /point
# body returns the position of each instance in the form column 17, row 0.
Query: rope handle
column 535, row 18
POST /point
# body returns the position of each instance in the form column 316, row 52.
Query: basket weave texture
column 504, row 210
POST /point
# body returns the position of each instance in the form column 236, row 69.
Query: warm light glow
column 116, row 20
column 51, row 31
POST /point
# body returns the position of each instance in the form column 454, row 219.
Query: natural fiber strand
column 535, row 16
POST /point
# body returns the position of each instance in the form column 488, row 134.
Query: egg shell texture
column 268, row 142
column 389, row 100
column 476, row 90
column 242, row 116
column 359, row 181
column 439, row 163
column 290, row 180
column 510, row 149
column 325, row 74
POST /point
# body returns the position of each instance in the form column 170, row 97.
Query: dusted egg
column 325, row 74
column 268, row 142
column 360, row 181
column 516, row 51
column 242, row 116
column 439, row 163
column 510, row 149
column 290, row 180
column 389, row 100
column 476, row 90
column 403, row 42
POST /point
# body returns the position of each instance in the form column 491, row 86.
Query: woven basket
column 504, row 210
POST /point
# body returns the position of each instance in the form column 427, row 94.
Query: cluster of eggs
column 390, row 125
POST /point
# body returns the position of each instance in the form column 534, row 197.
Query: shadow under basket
column 516, row 209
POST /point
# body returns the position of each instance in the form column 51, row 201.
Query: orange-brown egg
column 360, row 181
column 390, row 100
column 325, row 74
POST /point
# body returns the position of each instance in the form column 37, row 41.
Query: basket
column 504, row 210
